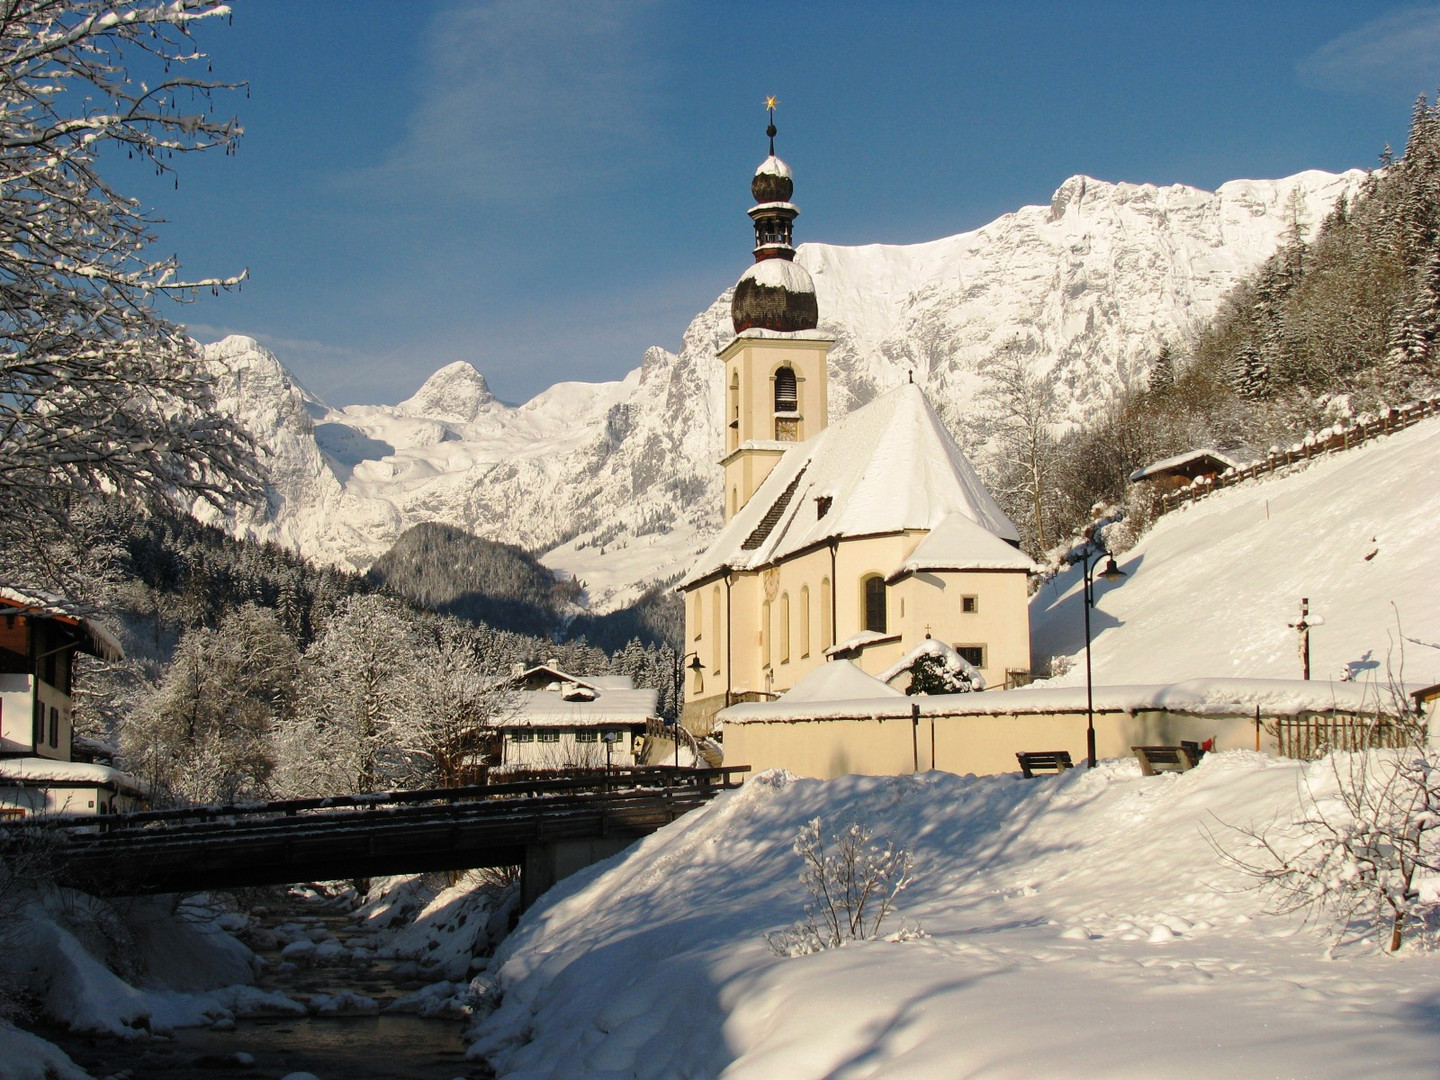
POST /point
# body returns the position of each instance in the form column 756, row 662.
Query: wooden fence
column 1386, row 423
column 1310, row 737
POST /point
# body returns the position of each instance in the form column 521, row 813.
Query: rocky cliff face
column 616, row 482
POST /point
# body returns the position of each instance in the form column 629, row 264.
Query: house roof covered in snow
column 550, row 676
column 561, row 708
column 888, row 467
column 16, row 600
column 36, row 772
column 1190, row 463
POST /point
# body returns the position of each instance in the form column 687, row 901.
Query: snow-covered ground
column 1074, row 926
column 1212, row 587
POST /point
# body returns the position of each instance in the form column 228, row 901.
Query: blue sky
column 546, row 188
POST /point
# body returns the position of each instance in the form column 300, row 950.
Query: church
column 856, row 540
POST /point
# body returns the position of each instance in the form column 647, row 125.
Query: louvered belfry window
column 787, row 398
column 787, row 406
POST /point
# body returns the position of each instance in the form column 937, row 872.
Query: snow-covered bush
column 933, row 675
column 1364, row 850
column 852, row 883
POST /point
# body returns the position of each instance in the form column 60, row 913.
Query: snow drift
column 1076, row 926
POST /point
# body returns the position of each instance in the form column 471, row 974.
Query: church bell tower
column 775, row 372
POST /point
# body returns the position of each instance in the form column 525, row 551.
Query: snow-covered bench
column 1055, row 761
column 1155, row 759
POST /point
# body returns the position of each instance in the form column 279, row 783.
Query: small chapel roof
column 888, row 467
column 839, row 680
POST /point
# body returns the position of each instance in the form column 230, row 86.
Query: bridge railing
column 615, row 780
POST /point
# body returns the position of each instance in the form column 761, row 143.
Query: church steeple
column 775, row 378
column 775, row 293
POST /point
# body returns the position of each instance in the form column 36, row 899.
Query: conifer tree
column 1162, row 373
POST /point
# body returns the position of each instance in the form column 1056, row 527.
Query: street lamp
column 680, row 668
column 1087, row 601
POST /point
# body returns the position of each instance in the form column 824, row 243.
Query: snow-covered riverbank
column 141, row 976
column 1075, row 926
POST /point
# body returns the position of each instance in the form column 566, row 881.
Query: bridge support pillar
column 547, row 863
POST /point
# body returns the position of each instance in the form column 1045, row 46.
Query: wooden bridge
column 550, row 828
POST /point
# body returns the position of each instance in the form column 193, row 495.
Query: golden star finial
column 771, row 102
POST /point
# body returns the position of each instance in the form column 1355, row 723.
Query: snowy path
column 1078, row 926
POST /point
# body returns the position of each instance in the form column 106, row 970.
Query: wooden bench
column 1155, row 759
column 1055, row 761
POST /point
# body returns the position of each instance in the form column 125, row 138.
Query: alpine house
column 856, row 540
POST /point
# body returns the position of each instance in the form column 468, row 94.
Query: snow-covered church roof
column 887, row 467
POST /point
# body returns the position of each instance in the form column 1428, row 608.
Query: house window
column 548, row 736
column 586, row 736
column 522, row 736
column 54, row 726
column 875, row 603
column 827, row 608
column 804, row 621
column 972, row 654
column 785, row 628
column 969, row 604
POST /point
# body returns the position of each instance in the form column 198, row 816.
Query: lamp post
column 680, row 668
column 1087, row 601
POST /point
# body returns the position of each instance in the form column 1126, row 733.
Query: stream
column 388, row 1046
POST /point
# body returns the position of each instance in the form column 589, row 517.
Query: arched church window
column 784, row 628
column 804, row 620
column 765, row 634
column 875, row 603
column 715, row 630
column 827, row 624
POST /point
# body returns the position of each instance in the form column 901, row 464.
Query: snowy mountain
column 1212, row 588
column 616, row 482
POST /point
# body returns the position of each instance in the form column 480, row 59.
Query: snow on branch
column 99, row 393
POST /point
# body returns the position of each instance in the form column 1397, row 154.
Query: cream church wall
column 980, row 744
column 1001, row 622
column 913, row 604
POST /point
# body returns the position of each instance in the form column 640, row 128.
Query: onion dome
column 775, row 293
column 772, row 181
